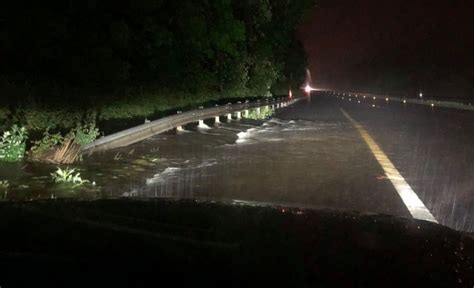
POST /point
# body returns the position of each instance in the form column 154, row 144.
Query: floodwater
column 305, row 155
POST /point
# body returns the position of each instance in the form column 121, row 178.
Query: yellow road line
column 416, row 207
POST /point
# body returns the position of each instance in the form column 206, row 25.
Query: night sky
column 359, row 44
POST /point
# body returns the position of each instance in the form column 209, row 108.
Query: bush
column 68, row 175
column 45, row 144
column 85, row 134
column 265, row 113
column 55, row 148
column 4, row 184
column 12, row 144
column 42, row 118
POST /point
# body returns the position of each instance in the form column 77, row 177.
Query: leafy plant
column 68, row 175
column 4, row 184
column 265, row 113
column 45, row 144
column 12, row 144
column 85, row 134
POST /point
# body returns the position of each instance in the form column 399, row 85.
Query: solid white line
column 416, row 207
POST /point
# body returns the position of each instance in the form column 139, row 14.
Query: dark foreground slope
column 148, row 243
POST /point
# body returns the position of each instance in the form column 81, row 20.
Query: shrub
column 85, row 134
column 12, row 144
column 55, row 148
column 45, row 144
column 4, row 184
column 68, row 175
column 41, row 118
column 265, row 113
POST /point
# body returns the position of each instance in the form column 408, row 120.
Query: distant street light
column 421, row 95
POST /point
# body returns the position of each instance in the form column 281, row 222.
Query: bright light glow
column 432, row 105
column 373, row 105
column 421, row 95
column 404, row 101
column 364, row 96
column 358, row 102
column 386, row 99
column 290, row 94
column 374, row 98
column 307, row 89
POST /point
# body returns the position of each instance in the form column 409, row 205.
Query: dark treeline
column 96, row 51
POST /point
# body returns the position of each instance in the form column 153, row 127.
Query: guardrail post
column 179, row 128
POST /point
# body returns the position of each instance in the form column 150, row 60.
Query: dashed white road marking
column 416, row 207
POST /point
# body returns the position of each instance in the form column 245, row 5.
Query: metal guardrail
column 144, row 131
column 427, row 102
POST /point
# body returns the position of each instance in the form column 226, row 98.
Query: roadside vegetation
column 68, row 176
column 13, row 144
column 265, row 113
column 4, row 185
column 133, row 59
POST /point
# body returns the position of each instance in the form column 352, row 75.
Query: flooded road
column 308, row 154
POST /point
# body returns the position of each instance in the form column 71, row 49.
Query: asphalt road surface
column 375, row 156
column 431, row 147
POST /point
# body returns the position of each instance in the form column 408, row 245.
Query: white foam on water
column 300, row 128
column 203, row 126
column 180, row 130
column 277, row 121
column 207, row 163
column 245, row 136
column 157, row 178
column 271, row 130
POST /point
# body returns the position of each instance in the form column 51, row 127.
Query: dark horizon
column 392, row 45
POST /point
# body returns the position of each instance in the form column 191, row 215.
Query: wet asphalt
column 432, row 147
